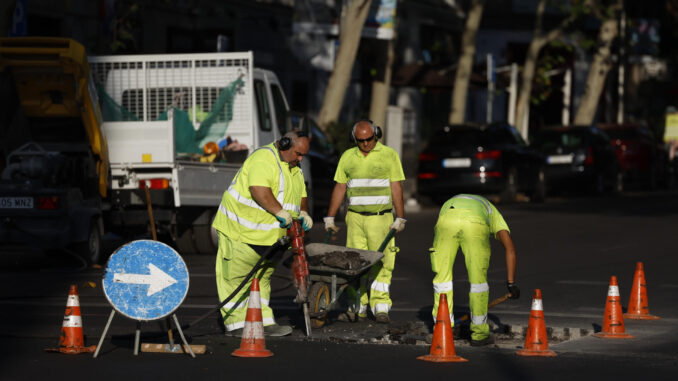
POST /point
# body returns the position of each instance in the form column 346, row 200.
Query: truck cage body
column 151, row 89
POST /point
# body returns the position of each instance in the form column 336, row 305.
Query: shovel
column 493, row 303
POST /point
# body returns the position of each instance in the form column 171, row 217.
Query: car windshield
column 464, row 137
column 623, row 133
column 565, row 139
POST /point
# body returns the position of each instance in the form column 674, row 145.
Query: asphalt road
column 567, row 247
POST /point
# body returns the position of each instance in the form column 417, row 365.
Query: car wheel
column 618, row 185
column 539, row 193
column 511, row 187
column 653, row 178
column 598, row 184
column 90, row 250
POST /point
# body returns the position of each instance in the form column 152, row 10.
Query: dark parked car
column 492, row 159
column 641, row 156
column 579, row 157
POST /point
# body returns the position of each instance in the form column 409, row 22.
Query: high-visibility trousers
column 455, row 228
column 234, row 261
column 368, row 233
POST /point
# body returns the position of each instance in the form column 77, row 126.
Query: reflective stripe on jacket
column 240, row 217
column 368, row 178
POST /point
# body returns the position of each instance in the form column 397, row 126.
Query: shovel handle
column 493, row 303
column 328, row 236
column 386, row 240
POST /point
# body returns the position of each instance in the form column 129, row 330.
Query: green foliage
column 339, row 135
column 552, row 59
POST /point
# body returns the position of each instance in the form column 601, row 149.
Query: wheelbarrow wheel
column 319, row 300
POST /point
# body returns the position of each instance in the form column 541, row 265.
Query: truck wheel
column 205, row 239
column 205, row 236
column 319, row 301
column 185, row 243
column 90, row 250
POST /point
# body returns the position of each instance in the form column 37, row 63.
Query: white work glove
column 329, row 224
column 307, row 221
column 398, row 224
column 285, row 218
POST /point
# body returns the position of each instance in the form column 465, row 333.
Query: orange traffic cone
column 536, row 340
column 72, row 340
column 253, row 342
column 613, row 321
column 442, row 346
column 638, row 308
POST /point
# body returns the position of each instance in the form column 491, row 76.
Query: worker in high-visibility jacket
column 265, row 195
column 466, row 221
column 370, row 176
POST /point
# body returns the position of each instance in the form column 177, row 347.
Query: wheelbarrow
column 329, row 282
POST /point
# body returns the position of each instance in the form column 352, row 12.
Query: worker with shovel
column 467, row 220
column 370, row 175
column 266, row 194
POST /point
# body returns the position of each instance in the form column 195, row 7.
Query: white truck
column 147, row 101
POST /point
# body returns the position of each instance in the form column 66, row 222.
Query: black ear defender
column 285, row 142
column 376, row 130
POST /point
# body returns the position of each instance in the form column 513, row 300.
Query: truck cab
column 55, row 169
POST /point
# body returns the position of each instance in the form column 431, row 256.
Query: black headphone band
column 285, row 142
column 376, row 130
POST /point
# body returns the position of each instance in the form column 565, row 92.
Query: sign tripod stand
column 146, row 280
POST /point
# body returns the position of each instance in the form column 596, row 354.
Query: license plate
column 559, row 159
column 462, row 162
column 16, row 202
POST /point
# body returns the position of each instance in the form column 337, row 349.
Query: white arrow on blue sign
column 145, row 280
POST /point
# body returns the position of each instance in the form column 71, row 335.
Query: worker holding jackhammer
column 266, row 194
column 467, row 221
column 370, row 176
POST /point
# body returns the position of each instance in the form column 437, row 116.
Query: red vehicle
column 640, row 155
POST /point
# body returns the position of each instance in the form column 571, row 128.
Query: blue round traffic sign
column 145, row 280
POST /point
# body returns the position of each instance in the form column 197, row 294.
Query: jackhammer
column 300, row 273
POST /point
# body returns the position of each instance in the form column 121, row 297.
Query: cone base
column 252, row 353
column 611, row 335
column 641, row 317
column 544, row 353
column 434, row 358
column 73, row 350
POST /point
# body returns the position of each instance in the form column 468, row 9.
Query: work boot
column 348, row 316
column 277, row 330
column 482, row 342
column 382, row 317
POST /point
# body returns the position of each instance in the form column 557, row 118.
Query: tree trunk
column 529, row 68
column 381, row 89
column 595, row 81
column 465, row 65
column 352, row 21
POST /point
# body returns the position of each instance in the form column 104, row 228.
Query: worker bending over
column 370, row 175
column 266, row 194
column 467, row 221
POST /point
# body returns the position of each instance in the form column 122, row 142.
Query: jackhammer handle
column 386, row 240
column 493, row 303
column 282, row 242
